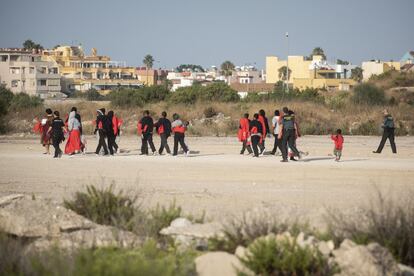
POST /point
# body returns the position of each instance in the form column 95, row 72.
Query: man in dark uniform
column 388, row 126
column 56, row 129
column 163, row 127
column 147, row 126
column 101, row 121
column 256, row 132
column 288, row 135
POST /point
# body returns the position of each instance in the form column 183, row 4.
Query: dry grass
column 313, row 118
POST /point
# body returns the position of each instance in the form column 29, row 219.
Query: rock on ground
column 219, row 263
column 359, row 260
column 46, row 224
column 187, row 234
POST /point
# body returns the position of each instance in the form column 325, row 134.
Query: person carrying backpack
column 163, row 128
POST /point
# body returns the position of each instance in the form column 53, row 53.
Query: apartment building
column 24, row 71
column 315, row 73
column 377, row 67
column 81, row 72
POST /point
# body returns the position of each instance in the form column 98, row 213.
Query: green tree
column 191, row 67
column 342, row 62
column 356, row 74
column 317, row 51
column 227, row 68
column 282, row 73
column 148, row 61
column 29, row 45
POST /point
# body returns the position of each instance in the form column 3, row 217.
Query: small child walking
column 338, row 141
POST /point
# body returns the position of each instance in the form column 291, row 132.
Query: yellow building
column 81, row 72
column 377, row 67
column 315, row 73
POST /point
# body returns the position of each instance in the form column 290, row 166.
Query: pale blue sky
column 209, row 32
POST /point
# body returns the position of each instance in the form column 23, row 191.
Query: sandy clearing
column 217, row 179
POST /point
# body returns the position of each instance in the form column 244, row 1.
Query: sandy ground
column 216, row 178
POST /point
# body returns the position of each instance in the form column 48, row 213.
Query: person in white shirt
column 275, row 125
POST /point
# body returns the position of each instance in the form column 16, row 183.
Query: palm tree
column 356, row 74
column 318, row 51
column 282, row 73
column 149, row 62
column 227, row 69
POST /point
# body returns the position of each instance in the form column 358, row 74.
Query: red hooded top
column 338, row 140
column 116, row 124
column 243, row 132
column 262, row 121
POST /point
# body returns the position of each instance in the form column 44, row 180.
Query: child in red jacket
column 338, row 141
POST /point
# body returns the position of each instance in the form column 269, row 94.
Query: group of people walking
column 285, row 129
column 164, row 129
column 54, row 131
column 253, row 134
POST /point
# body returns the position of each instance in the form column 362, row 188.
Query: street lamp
column 287, row 64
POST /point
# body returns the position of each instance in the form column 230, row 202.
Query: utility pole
column 287, row 64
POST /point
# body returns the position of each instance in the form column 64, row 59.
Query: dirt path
column 217, row 179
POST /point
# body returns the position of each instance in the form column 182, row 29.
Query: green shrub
column 161, row 217
column 368, row 94
column 147, row 260
column 272, row 257
column 128, row 97
column 103, row 206
column 185, row 95
column 244, row 231
column 24, row 101
column 386, row 221
column 93, row 95
column 218, row 92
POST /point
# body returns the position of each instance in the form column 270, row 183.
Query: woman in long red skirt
column 74, row 141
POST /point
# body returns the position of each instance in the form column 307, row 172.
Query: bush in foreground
column 146, row 260
column 283, row 257
column 245, row 230
column 103, row 206
column 385, row 221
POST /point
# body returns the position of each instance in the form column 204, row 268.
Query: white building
column 23, row 71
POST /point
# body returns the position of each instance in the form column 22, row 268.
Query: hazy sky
column 209, row 32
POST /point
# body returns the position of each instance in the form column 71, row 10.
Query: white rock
column 359, row 260
column 9, row 198
column 406, row 270
column 240, row 252
column 220, row 264
column 180, row 222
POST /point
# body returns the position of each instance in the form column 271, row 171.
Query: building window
column 15, row 83
column 31, row 70
column 53, row 70
column 14, row 70
column 54, row 82
column 41, row 82
column 4, row 58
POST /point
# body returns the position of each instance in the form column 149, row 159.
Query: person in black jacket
column 56, row 130
column 100, row 128
column 388, row 126
column 147, row 126
column 288, row 135
column 265, row 130
column 256, row 132
column 163, row 127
